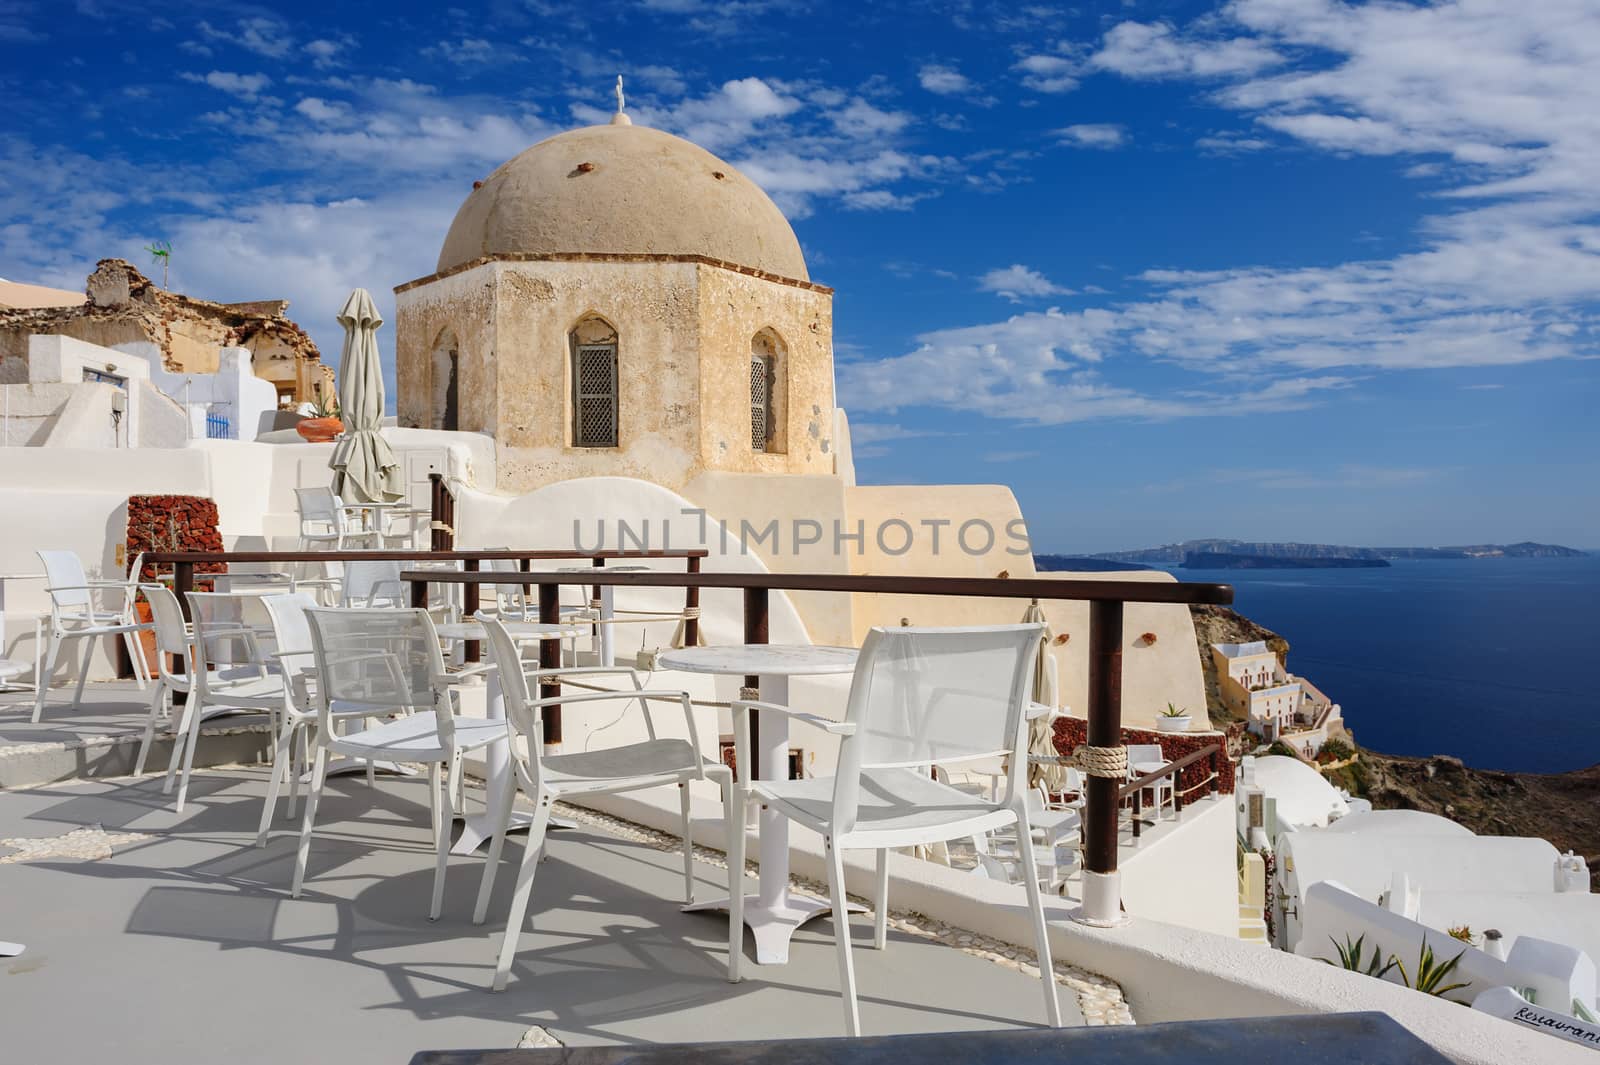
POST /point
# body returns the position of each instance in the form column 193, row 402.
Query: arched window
column 594, row 383
column 768, row 392
column 446, row 382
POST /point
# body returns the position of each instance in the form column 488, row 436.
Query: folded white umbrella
column 1041, row 737
column 364, row 465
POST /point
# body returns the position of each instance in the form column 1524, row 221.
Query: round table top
column 761, row 659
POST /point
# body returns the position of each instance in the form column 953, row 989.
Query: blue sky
column 1276, row 269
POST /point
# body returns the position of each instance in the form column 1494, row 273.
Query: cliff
column 1218, row 560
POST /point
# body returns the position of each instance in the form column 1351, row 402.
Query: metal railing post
column 1102, row 895
column 550, row 658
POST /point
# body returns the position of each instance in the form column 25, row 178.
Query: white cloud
column 944, row 80
column 1017, row 282
column 263, row 36
column 1102, row 135
column 245, row 85
column 324, row 53
column 1156, row 50
column 1498, row 98
column 1048, row 73
column 322, row 111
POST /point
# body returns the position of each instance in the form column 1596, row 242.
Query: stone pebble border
column 1100, row 998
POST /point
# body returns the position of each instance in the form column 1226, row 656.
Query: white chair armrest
column 464, row 673
column 619, row 693
column 826, row 724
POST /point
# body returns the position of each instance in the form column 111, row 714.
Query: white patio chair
column 1142, row 758
column 379, row 662
column 373, row 583
column 224, row 672
column 919, row 697
column 654, row 762
column 75, row 615
column 325, row 522
column 296, row 662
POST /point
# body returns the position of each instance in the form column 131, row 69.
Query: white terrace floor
column 164, row 938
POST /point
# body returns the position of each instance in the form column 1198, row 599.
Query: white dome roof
column 623, row 189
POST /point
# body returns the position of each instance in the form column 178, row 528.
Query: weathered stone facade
column 125, row 309
column 684, row 329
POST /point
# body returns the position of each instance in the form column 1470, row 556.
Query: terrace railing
column 1105, row 762
column 1135, row 789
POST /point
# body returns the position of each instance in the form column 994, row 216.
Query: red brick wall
column 1072, row 732
column 173, row 523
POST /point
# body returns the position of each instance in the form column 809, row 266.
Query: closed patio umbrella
column 364, row 465
column 1041, row 737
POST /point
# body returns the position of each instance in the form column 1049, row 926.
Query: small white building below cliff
column 1276, row 704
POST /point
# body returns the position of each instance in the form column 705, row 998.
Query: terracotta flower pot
column 147, row 640
column 319, row 430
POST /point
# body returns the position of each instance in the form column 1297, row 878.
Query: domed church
column 616, row 301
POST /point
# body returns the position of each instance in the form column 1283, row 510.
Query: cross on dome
column 620, row 118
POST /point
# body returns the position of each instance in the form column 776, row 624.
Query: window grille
column 594, row 395
column 760, row 403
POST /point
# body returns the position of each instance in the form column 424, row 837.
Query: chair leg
column 688, row 842
column 303, row 851
column 282, row 756
column 188, row 754
column 1041, row 934
column 180, row 738
column 42, row 681
column 441, row 837
column 497, row 845
column 136, row 658
column 841, row 938
column 734, row 819
column 880, row 904
column 156, row 701
column 83, row 670
column 301, row 760
column 519, row 901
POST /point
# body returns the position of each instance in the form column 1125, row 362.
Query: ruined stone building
column 126, row 311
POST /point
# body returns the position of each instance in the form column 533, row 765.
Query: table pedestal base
column 774, row 923
column 11, row 950
column 477, row 829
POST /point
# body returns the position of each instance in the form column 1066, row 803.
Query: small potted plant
column 324, row 422
column 1173, row 719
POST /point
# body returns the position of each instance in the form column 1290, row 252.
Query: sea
column 1493, row 660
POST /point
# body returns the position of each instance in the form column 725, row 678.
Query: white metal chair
column 224, row 672
column 919, row 697
column 296, row 662
column 75, row 615
column 373, row 583
column 1142, row 758
column 380, row 662
column 654, row 762
column 325, row 522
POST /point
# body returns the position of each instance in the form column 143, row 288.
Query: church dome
column 622, row 189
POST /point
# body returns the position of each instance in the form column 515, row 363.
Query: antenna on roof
column 620, row 118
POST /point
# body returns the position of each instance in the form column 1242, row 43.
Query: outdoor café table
column 774, row 912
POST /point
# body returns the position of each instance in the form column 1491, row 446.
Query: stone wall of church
column 683, row 331
column 790, row 324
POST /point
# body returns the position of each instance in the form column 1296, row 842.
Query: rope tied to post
column 439, row 526
column 1110, row 762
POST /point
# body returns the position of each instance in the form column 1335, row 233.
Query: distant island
column 1319, row 555
column 1218, row 560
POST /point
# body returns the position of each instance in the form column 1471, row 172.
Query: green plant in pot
column 1173, row 719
